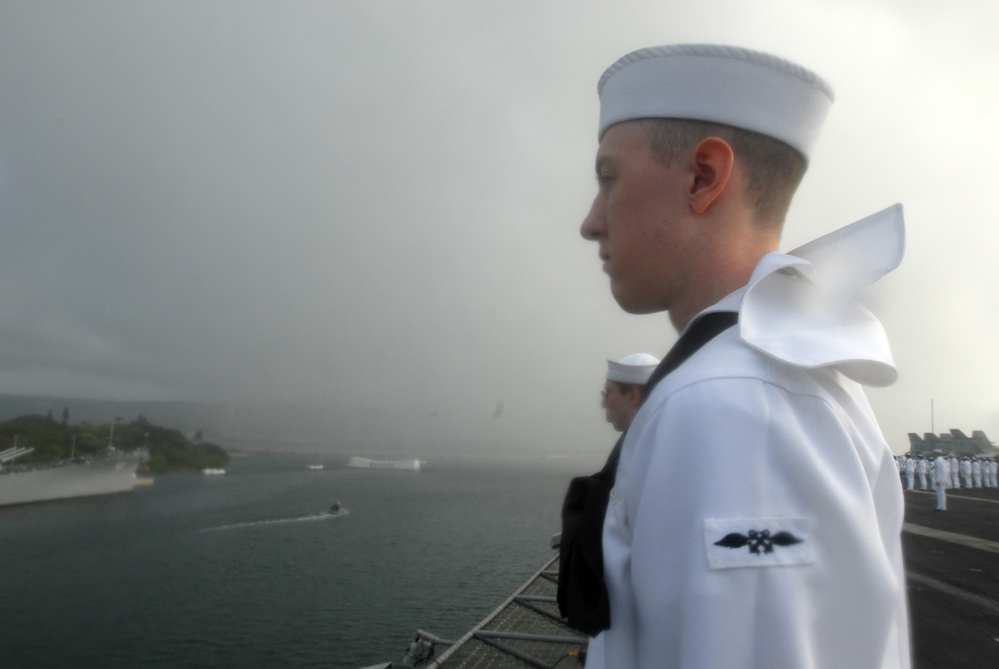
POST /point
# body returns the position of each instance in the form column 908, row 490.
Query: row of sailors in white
column 965, row 472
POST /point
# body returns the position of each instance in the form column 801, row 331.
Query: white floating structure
column 365, row 463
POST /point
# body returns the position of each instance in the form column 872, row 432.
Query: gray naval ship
column 113, row 471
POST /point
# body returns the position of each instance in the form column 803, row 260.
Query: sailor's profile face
column 617, row 405
column 635, row 220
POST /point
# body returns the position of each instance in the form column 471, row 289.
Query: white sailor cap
column 635, row 368
column 720, row 84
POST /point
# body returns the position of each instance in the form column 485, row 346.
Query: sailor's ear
column 634, row 396
column 710, row 165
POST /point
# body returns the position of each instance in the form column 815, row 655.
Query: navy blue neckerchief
column 582, row 594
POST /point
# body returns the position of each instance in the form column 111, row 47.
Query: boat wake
column 327, row 515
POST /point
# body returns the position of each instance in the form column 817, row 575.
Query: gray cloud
column 351, row 204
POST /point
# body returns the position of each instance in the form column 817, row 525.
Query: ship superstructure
column 111, row 472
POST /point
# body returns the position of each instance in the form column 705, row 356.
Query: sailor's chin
column 630, row 302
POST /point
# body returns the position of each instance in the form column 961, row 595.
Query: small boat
column 213, row 471
column 336, row 508
column 314, row 467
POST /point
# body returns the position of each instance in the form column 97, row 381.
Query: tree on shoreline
column 169, row 449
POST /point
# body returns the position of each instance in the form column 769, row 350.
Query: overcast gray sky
column 377, row 203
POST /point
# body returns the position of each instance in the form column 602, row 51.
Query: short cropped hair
column 774, row 169
column 625, row 388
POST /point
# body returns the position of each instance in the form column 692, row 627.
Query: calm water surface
column 237, row 570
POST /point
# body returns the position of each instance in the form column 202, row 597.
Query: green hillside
column 169, row 449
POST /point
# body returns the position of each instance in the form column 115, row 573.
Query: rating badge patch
column 758, row 542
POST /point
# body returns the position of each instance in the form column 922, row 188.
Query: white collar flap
column 803, row 307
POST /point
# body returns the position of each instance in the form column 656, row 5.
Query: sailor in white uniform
column 756, row 514
column 622, row 393
column 966, row 471
column 941, row 478
column 910, row 472
column 921, row 470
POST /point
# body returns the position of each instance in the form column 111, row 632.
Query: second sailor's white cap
column 720, row 84
column 635, row 368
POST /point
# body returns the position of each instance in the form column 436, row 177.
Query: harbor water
column 246, row 570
